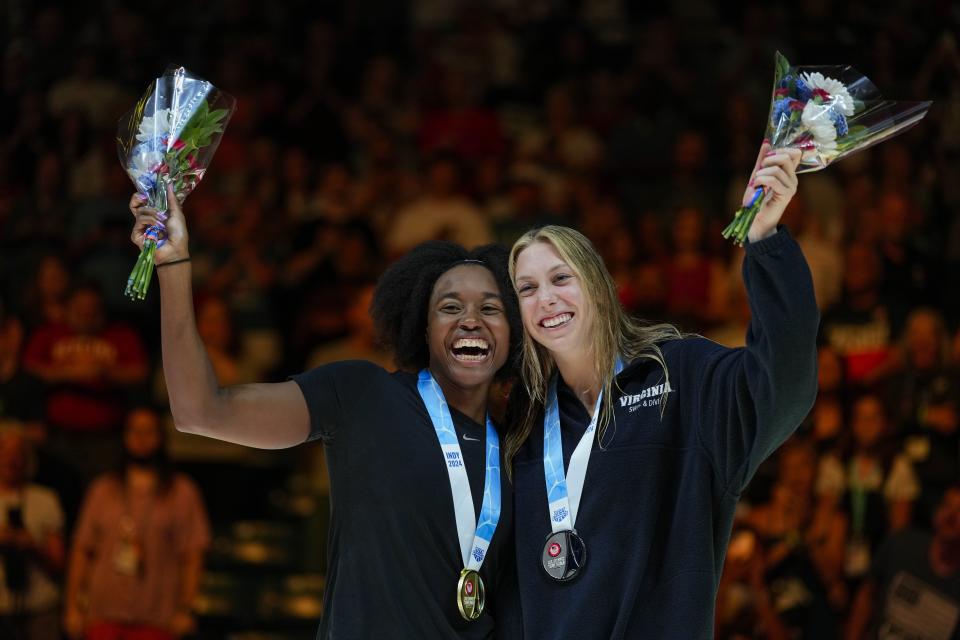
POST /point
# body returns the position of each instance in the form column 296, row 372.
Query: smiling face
column 467, row 328
column 553, row 305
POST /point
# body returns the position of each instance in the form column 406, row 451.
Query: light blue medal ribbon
column 564, row 490
column 474, row 534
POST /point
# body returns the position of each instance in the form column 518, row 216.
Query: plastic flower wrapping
column 827, row 112
column 169, row 137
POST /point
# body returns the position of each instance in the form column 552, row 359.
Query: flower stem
column 139, row 281
column 743, row 219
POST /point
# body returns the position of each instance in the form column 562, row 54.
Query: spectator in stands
column 32, row 548
column 859, row 326
column 926, row 394
column 441, row 213
column 137, row 555
column 876, row 487
column 913, row 589
column 88, row 364
column 691, row 276
column 21, row 395
column 44, row 300
column 802, row 540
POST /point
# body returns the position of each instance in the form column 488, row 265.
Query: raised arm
column 267, row 416
column 754, row 398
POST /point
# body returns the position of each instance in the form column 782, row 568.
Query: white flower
column 839, row 95
column 154, row 127
column 143, row 164
column 816, row 119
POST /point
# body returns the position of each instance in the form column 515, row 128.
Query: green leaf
column 781, row 68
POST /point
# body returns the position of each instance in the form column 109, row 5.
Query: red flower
column 179, row 144
column 781, row 92
column 820, row 93
column 797, row 105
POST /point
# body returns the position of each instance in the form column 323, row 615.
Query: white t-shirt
column 42, row 516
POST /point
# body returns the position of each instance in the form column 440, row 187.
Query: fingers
column 137, row 202
column 145, row 220
column 776, row 179
column 793, row 157
column 785, row 159
column 796, row 155
column 173, row 205
column 779, row 171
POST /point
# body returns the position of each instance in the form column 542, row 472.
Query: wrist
column 756, row 235
column 174, row 261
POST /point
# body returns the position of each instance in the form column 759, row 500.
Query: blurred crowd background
column 366, row 127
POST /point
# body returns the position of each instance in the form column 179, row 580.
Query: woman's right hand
column 175, row 246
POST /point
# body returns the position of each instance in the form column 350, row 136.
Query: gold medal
column 470, row 594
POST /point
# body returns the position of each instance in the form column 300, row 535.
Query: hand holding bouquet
column 826, row 113
column 166, row 143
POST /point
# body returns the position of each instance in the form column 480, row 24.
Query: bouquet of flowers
column 828, row 113
column 169, row 137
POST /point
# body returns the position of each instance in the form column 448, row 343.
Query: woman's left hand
column 776, row 173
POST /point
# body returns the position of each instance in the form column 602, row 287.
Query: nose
column 546, row 296
column 469, row 322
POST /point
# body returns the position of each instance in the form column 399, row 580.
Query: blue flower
column 840, row 122
column 785, row 82
column 781, row 109
column 804, row 92
column 146, row 182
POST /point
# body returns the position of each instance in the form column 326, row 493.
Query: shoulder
column 184, row 487
column 43, row 497
column 103, row 486
column 345, row 372
column 691, row 350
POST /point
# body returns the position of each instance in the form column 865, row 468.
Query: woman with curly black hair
column 408, row 556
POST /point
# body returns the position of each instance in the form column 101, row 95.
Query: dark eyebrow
column 456, row 296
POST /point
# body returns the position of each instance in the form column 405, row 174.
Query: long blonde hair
column 615, row 333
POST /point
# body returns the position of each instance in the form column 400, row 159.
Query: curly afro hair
column 400, row 301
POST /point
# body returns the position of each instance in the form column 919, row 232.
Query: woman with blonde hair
column 670, row 427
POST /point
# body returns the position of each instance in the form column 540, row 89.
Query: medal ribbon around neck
column 474, row 534
column 564, row 490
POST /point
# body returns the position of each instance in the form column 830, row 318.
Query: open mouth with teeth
column 470, row 349
column 556, row 321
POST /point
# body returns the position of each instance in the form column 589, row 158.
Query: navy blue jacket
column 659, row 498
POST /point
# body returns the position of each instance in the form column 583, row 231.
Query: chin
column 557, row 344
column 470, row 374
